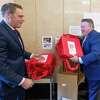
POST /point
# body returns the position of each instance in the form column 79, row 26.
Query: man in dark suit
column 12, row 55
column 91, row 58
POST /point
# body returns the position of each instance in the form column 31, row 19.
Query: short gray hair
column 88, row 20
column 10, row 8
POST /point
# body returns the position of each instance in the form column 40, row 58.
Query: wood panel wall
column 52, row 17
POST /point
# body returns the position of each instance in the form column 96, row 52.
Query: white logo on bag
column 45, row 58
column 71, row 47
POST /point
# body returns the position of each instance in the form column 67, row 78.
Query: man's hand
column 74, row 59
column 28, row 83
column 37, row 56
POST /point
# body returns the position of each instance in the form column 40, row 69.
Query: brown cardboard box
column 67, row 86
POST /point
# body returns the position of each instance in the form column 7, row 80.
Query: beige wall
column 28, row 30
column 51, row 17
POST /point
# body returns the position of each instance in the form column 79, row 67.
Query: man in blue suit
column 12, row 55
column 91, row 58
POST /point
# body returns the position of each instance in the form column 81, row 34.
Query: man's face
column 16, row 19
column 85, row 28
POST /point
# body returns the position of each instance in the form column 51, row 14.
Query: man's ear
column 6, row 15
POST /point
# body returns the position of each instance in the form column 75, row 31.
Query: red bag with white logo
column 40, row 68
column 67, row 47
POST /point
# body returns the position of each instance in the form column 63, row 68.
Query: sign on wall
column 47, row 42
column 75, row 30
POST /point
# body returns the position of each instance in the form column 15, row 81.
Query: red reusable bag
column 40, row 68
column 67, row 47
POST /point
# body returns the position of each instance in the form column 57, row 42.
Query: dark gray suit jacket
column 12, row 55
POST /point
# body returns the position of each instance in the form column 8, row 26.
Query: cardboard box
column 67, row 86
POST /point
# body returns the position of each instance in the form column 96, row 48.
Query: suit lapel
column 84, row 41
column 13, row 34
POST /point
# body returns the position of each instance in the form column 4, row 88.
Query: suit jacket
column 91, row 60
column 12, row 55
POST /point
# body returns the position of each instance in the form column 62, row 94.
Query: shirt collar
column 8, row 24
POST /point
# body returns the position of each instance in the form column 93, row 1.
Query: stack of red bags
column 67, row 47
column 40, row 68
